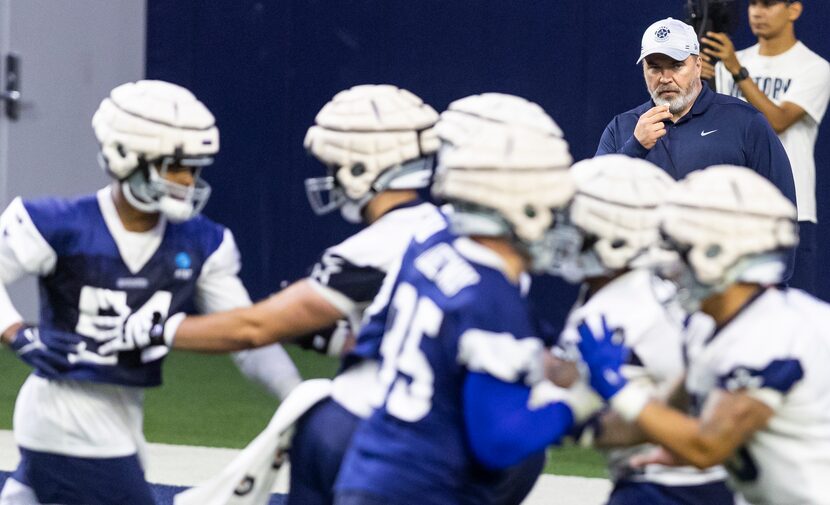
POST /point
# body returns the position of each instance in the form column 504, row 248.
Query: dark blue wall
column 266, row 67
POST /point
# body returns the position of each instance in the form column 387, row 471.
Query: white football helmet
column 503, row 168
column 729, row 224
column 146, row 127
column 372, row 138
column 614, row 215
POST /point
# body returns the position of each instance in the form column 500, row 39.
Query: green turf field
column 205, row 401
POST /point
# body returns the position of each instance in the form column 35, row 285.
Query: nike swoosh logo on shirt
column 704, row 133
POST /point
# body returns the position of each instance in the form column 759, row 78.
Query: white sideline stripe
column 181, row 465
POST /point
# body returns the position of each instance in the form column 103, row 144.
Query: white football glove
column 142, row 330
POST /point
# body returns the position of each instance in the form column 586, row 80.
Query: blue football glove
column 48, row 354
column 604, row 354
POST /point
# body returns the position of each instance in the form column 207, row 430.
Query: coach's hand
column 47, row 353
column 650, row 128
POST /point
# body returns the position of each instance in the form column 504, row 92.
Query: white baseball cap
column 671, row 37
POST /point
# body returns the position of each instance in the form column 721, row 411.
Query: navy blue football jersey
column 451, row 311
column 89, row 289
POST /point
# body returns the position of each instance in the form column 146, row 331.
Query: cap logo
column 662, row 34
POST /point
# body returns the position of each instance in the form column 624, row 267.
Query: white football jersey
column 638, row 305
column 778, row 349
column 801, row 77
column 350, row 275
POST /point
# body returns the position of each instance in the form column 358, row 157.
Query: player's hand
column 650, row 127
column 336, row 341
column 561, row 372
column 604, row 353
column 718, row 45
column 140, row 331
column 47, row 353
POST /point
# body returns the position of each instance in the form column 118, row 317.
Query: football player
column 136, row 246
column 458, row 353
column 614, row 214
column 757, row 384
column 378, row 143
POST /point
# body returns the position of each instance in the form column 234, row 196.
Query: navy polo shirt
column 718, row 130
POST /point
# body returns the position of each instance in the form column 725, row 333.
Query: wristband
column 631, row 400
column 170, row 326
column 583, row 401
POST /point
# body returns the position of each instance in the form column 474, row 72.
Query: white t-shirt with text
column 801, row 77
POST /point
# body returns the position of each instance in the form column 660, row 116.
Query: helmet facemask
column 765, row 268
column 149, row 190
column 576, row 259
column 557, row 246
column 327, row 194
column 554, row 247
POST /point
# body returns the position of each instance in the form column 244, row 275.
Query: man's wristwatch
column 742, row 74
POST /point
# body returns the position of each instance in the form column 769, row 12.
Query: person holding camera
column 790, row 85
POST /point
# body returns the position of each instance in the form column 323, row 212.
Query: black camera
column 713, row 16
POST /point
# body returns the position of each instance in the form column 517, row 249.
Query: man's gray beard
column 677, row 105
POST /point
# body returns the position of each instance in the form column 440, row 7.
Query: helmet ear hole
column 120, row 148
column 618, row 243
column 713, row 251
column 358, row 169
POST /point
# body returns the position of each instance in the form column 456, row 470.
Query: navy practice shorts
column 317, row 449
column 640, row 493
column 516, row 482
column 71, row 480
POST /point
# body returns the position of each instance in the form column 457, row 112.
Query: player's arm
column 780, row 117
column 728, row 420
column 507, row 419
column 230, row 323
column 296, row 310
column 24, row 251
column 613, row 431
column 10, row 319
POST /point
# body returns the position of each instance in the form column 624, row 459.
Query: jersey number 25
column 406, row 373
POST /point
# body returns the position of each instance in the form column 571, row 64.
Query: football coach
column 686, row 126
